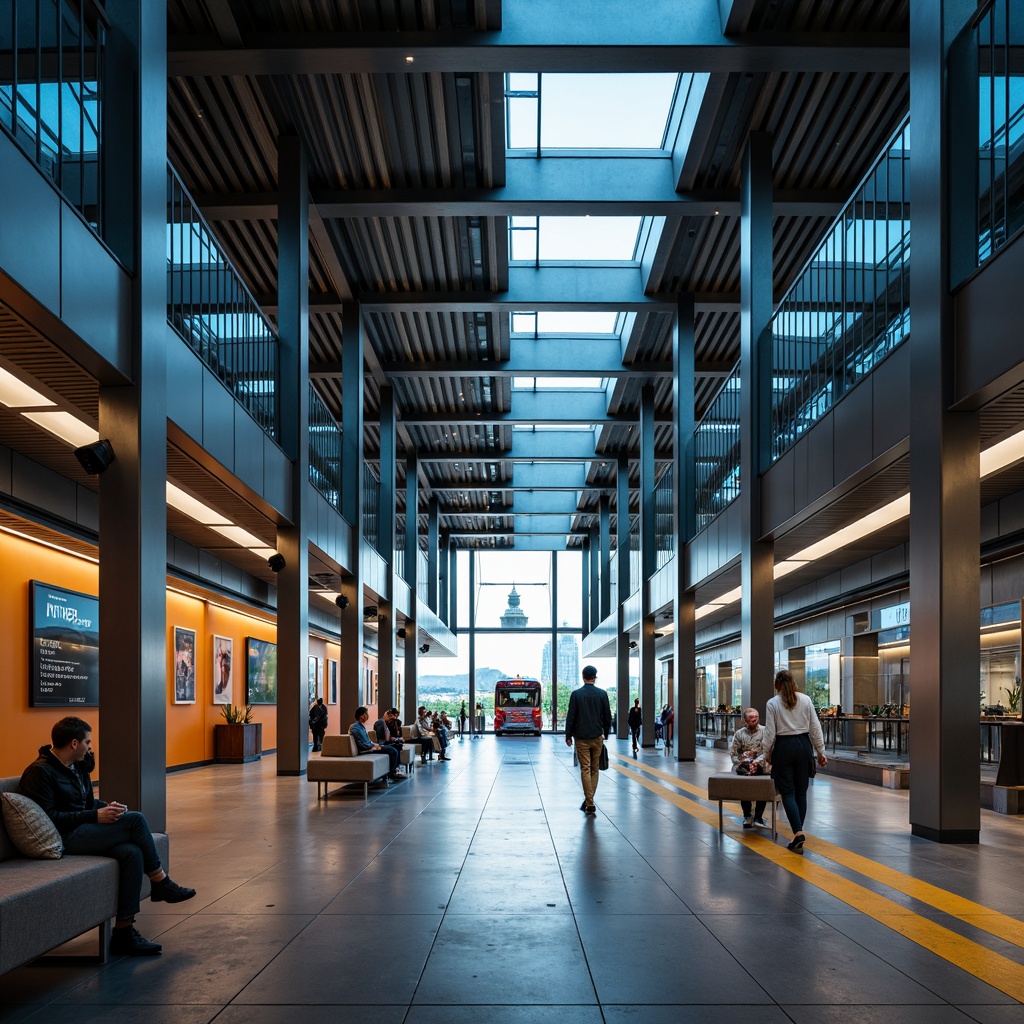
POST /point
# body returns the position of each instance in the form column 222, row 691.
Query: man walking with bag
column 588, row 722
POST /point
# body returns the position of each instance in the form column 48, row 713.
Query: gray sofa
column 340, row 761
column 44, row 903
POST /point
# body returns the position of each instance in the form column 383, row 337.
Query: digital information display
column 65, row 638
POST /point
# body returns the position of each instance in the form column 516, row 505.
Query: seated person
column 748, row 759
column 385, row 733
column 357, row 730
column 58, row 780
column 441, row 733
column 425, row 724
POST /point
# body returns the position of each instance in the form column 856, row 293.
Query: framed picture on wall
column 222, row 693
column 314, row 678
column 260, row 671
column 184, row 665
column 332, row 681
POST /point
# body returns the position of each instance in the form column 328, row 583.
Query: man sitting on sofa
column 364, row 745
column 59, row 782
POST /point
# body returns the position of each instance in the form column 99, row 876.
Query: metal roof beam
column 550, row 357
column 563, row 187
column 662, row 36
column 530, row 409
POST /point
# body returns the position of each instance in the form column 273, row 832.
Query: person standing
column 792, row 738
column 463, row 715
column 635, row 718
column 318, row 722
column 588, row 722
column 747, row 756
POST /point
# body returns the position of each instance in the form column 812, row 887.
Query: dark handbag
column 602, row 761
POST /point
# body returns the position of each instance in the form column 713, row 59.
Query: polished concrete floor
column 477, row 891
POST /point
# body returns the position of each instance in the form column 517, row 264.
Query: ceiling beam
column 663, row 35
column 563, row 186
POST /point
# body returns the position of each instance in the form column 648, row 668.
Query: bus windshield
column 519, row 698
column 517, row 707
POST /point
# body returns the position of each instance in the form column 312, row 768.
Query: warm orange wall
column 190, row 726
column 25, row 728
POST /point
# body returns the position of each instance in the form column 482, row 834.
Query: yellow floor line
column 992, row 968
column 975, row 914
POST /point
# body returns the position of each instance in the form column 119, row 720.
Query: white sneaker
column 761, row 822
column 748, row 822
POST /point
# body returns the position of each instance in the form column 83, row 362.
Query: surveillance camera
column 424, row 648
column 94, row 458
column 341, row 601
column 400, row 634
column 276, row 561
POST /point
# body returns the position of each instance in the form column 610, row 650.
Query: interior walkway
column 477, row 891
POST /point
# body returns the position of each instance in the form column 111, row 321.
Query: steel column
column 944, row 469
column 683, row 692
column 648, row 562
column 132, row 491
column 412, row 497
column 757, row 556
column 386, row 512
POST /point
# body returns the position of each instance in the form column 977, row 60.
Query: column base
column 963, row 836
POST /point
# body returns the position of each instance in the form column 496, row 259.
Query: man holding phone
column 58, row 780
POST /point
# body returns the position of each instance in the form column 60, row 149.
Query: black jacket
column 64, row 793
column 635, row 718
column 589, row 714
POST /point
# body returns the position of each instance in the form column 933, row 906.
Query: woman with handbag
column 792, row 739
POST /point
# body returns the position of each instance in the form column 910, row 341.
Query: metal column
column 386, row 512
column 648, row 562
column 757, row 556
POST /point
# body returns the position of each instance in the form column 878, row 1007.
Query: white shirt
column 795, row 721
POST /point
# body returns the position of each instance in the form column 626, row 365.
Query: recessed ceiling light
column 194, row 508
column 65, row 426
column 409, row 59
column 16, row 394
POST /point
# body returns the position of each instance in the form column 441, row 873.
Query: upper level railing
column 716, row 452
column 51, row 67
column 987, row 93
column 664, row 518
column 851, row 305
column 213, row 311
column 371, row 505
column 422, row 583
column 324, row 449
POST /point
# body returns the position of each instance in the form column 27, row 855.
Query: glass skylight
column 556, row 383
column 566, row 322
column 573, row 239
column 588, row 112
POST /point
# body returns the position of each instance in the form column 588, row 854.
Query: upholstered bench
column 411, row 735
column 45, row 903
column 340, row 761
column 730, row 786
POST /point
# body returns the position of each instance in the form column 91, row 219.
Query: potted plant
column 239, row 739
column 1014, row 696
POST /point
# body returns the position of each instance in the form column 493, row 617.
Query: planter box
column 238, row 743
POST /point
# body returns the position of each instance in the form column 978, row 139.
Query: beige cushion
column 30, row 828
column 339, row 746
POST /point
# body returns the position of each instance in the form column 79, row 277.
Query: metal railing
column 51, row 75
column 850, row 307
column 209, row 306
column 664, row 518
column 635, row 561
column 987, row 149
column 422, row 568
column 371, row 506
column 716, row 452
column 324, row 449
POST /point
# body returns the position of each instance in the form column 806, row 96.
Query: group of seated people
column 388, row 737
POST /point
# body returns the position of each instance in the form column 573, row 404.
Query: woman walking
column 792, row 738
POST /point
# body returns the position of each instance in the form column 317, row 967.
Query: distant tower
column 514, row 618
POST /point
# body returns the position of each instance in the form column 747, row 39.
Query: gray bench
column 730, row 786
column 340, row 761
column 45, row 903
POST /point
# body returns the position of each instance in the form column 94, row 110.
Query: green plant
column 1014, row 696
column 240, row 715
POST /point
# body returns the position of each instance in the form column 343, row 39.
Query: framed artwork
column 64, row 639
column 184, row 665
column 222, row 693
column 314, row 679
column 260, row 671
column 332, row 681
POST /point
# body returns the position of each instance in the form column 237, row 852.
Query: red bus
column 517, row 707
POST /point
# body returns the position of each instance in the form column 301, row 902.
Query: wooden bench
column 45, row 903
column 340, row 761
column 730, row 786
